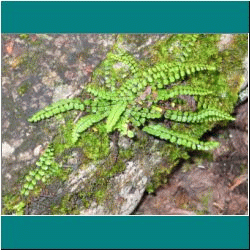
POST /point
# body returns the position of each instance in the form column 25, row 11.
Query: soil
column 217, row 187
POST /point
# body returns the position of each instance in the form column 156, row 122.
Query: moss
column 138, row 39
column 24, row 88
column 67, row 206
column 201, row 212
column 13, row 204
column 24, row 36
column 119, row 167
column 95, row 143
column 99, row 195
column 96, row 188
column 63, row 139
column 171, row 156
column 126, row 154
column 36, row 43
column 205, row 199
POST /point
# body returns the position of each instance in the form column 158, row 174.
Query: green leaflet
column 126, row 59
column 86, row 122
column 179, row 138
column 198, row 117
column 46, row 168
column 115, row 115
column 57, row 108
column 181, row 90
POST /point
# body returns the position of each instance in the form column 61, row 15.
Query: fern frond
column 115, row 114
column 127, row 59
column 122, row 125
column 188, row 42
column 179, row 138
column 57, row 108
column 46, row 168
column 86, row 122
column 198, row 117
column 172, row 72
column 181, row 90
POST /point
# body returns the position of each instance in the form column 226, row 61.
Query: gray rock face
column 125, row 189
column 7, row 150
column 243, row 94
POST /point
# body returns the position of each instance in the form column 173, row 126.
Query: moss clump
column 24, row 36
column 126, row 154
column 23, row 88
column 94, row 143
column 13, row 204
column 119, row 167
column 205, row 199
column 96, row 188
column 67, row 206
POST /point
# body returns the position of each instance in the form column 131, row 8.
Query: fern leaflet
column 179, row 138
column 115, row 115
column 86, row 122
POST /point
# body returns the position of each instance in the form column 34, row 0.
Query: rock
column 243, row 94
column 62, row 92
column 38, row 150
column 225, row 41
column 124, row 142
column 7, row 150
column 245, row 65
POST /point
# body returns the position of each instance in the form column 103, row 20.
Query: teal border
column 125, row 17
column 160, row 232
column 126, row 231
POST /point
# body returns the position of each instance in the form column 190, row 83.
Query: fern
column 86, row 122
column 179, row 138
column 198, row 117
column 46, row 168
column 57, row 108
column 125, row 58
column 181, row 90
column 115, row 115
column 143, row 93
